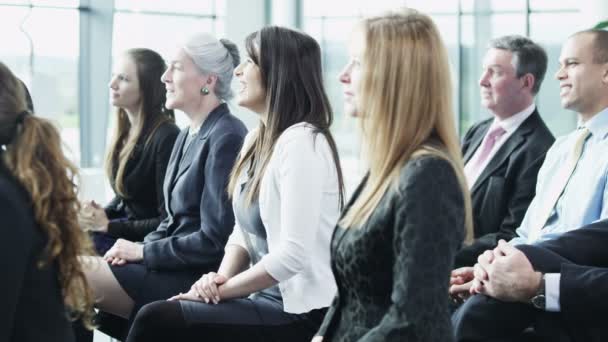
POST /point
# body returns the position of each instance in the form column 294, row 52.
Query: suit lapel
column 188, row 156
column 475, row 142
column 192, row 151
column 172, row 168
column 515, row 140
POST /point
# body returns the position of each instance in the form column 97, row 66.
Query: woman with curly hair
column 41, row 238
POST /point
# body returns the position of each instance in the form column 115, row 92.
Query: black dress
column 393, row 272
column 31, row 308
column 133, row 217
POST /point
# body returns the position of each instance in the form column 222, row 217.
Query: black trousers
column 236, row 320
column 482, row 318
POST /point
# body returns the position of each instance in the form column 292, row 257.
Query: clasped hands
column 504, row 273
column 93, row 217
column 206, row 289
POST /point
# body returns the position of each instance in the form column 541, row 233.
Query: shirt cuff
column 552, row 291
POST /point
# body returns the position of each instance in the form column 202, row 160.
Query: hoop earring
column 205, row 91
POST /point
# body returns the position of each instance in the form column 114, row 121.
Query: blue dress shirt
column 583, row 199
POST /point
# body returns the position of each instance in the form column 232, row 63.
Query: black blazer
column 31, row 308
column 199, row 212
column 132, row 218
column 393, row 272
column 584, row 279
column 502, row 193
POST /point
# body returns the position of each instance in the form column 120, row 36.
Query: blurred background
column 63, row 51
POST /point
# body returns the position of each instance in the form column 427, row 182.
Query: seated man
column 505, row 274
column 571, row 190
column 504, row 153
column 559, row 285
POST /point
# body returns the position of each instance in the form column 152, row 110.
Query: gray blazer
column 199, row 213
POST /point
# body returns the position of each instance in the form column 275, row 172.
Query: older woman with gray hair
column 190, row 241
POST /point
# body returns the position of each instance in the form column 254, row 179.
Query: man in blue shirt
column 571, row 193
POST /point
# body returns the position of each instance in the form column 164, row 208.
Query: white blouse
column 299, row 206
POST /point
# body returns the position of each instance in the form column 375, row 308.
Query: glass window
column 193, row 7
column 151, row 31
column 493, row 5
column 434, row 6
column 52, row 3
column 45, row 57
column 544, row 5
column 477, row 31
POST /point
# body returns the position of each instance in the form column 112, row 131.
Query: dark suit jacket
column 393, row 272
column 584, row 279
column 502, row 193
column 199, row 212
column 31, row 308
column 132, row 218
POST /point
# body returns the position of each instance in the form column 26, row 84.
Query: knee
column 150, row 321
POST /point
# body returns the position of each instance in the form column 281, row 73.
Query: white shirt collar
column 511, row 123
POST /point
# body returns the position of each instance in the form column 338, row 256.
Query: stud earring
column 205, row 91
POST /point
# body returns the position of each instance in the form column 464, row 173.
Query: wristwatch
column 539, row 300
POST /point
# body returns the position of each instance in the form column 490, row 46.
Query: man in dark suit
column 560, row 286
column 504, row 153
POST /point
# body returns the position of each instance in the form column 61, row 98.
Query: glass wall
column 44, row 48
column 45, row 56
column 466, row 26
column 161, row 25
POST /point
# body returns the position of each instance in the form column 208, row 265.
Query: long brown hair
column 152, row 113
column 290, row 68
column 406, row 99
column 34, row 156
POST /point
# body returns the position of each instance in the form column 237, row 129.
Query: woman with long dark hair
column 274, row 282
column 139, row 152
column 41, row 238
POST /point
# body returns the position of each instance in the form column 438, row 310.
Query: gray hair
column 214, row 57
column 529, row 57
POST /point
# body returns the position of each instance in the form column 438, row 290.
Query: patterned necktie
column 558, row 187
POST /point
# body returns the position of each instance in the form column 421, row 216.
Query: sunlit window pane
column 48, row 65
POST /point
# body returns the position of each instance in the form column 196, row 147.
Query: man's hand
column 461, row 280
column 507, row 275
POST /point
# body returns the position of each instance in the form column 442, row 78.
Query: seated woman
column 394, row 246
column 139, row 152
column 191, row 239
column 41, row 239
column 287, row 192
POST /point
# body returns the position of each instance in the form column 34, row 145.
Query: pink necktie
column 486, row 147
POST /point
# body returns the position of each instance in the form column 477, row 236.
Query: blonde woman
column 394, row 246
column 41, row 238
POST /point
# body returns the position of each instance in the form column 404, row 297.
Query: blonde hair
column 406, row 98
column 35, row 158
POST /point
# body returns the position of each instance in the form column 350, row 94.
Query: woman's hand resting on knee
column 124, row 251
column 204, row 289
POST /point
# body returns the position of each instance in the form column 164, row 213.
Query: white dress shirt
column 510, row 125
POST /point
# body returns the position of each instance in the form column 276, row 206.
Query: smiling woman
column 286, row 192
